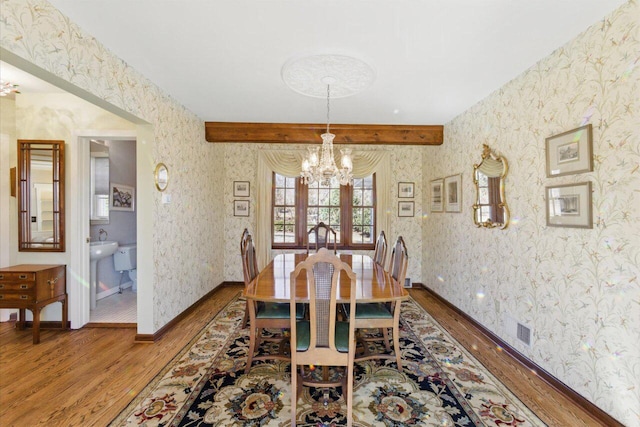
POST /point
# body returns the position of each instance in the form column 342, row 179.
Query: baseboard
column 554, row 382
column 114, row 290
column 151, row 338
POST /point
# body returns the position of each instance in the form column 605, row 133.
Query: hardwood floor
column 86, row 377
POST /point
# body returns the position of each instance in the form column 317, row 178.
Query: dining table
column 373, row 285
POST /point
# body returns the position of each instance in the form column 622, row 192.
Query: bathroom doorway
column 111, row 183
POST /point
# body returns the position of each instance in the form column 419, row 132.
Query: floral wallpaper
column 187, row 262
column 240, row 164
column 578, row 289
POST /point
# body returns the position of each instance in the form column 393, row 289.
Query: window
column 349, row 210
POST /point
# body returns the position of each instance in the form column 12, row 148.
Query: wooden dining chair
column 264, row 315
column 322, row 237
column 322, row 340
column 243, row 244
column 385, row 315
column 380, row 253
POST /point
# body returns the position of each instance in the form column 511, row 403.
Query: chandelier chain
column 328, row 109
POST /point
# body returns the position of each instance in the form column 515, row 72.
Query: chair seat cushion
column 276, row 310
column 303, row 336
column 372, row 311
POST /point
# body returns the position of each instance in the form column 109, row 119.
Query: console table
column 32, row 287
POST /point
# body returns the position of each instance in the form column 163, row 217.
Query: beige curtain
column 288, row 163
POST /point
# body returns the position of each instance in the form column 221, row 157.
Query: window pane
column 312, row 217
column 324, row 197
column 483, row 180
column 279, row 197
column 324, row 215
column 357, row 216
column 356, row 236
column 313, row 197
column 334, row 218
column 357, row 197
column 368, row 181
column 290, row 197
column 368, row 198
column 291, row 182
column 367, row 234
column 335, row 197
column 280, row 180
column 367, row 217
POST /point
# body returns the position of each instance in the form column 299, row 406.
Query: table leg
column 65, row 313
column 36, row 324
column 21, row 318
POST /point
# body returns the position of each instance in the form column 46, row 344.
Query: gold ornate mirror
column 161, row 176
column 490, row 209
column 40, row 196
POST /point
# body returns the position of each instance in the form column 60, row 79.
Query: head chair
column 321, row 234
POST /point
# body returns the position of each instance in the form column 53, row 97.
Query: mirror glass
column 41, row 196
column 490, row 209
column 99, row 183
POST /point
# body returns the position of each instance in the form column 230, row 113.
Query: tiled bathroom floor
column 116, row 308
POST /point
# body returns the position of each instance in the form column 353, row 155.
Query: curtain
column 288, row 163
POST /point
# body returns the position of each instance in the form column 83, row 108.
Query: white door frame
column 79, row 268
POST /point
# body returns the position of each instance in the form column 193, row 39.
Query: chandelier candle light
column 321, row 167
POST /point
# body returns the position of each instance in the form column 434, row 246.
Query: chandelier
column 7, row 88
column 319, row 165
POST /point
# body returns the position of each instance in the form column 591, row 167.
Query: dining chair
column 322, row 340
column 264, row 315
column 380, row 253
column 385, row 315
column 243, row 244
column 322, row 235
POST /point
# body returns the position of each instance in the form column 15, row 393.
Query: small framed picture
column 405, row 209
column 121, row 197
column 570, row 152
column 569, row 205
column 436, row 195
column 453, row 193
column 240, row 188
column 240, row 208
column 405, row 190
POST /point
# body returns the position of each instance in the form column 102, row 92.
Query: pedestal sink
column 97, row 251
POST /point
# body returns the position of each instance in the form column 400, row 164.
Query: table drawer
column 13, row 286
column 17, row 277
column 16, row 297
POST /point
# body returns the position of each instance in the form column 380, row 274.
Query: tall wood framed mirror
column 41, row 196
column 490, row 209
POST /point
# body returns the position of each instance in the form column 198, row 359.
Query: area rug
column 441, row 385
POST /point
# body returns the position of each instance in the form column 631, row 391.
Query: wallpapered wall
column 579, row 289
column 186, row 263
column 241, row 160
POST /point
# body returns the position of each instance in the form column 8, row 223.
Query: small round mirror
column 161, row 176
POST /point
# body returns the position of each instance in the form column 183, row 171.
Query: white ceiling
column 433, row 59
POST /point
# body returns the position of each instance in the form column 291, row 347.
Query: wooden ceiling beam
column 310, row 133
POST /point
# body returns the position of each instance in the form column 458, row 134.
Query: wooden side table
column 33, row 287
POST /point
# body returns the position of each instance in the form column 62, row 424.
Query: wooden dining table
column 273, row 284
column 373, row 283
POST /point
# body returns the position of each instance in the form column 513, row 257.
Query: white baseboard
column 112, row 291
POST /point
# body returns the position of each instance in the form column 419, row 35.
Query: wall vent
column 524, row 334
column 518, row 330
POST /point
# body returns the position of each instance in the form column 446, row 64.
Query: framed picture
column 569, row 205
column 453, row 193
column 240, row 208
column 405, row 208
column 121, row 197
column 436, row 195
column 405, row 190
column 570, row 152
column 240, row 188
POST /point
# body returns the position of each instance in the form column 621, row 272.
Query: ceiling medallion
column 308, row 75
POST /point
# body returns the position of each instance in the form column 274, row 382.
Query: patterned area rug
column 441, row 385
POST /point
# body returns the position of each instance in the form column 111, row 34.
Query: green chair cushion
column 372, row 311
column 303, row 336
column 275, row 310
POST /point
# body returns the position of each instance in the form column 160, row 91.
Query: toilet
column 124, row 259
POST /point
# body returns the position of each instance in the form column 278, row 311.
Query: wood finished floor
column 86, row 377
